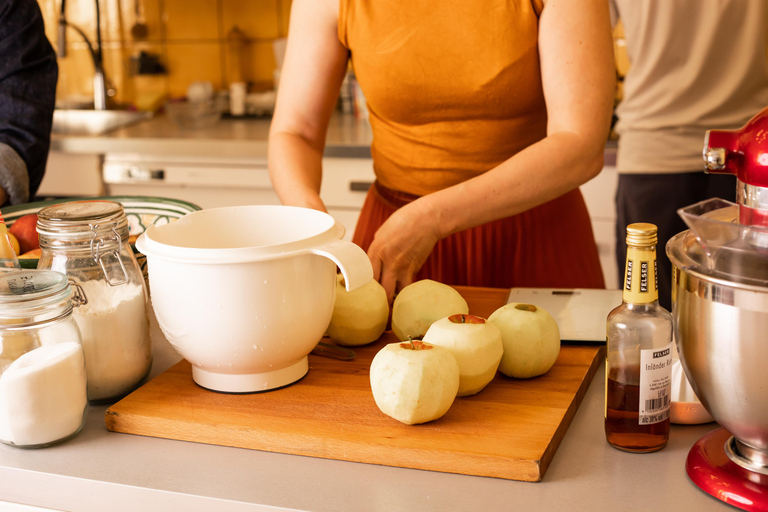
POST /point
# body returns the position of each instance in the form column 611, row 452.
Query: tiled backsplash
column 191, row 38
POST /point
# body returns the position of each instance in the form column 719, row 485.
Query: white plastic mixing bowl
column 245, row 293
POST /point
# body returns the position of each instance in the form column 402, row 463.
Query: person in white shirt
column 695, row 65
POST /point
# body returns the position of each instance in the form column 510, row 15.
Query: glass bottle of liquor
column 8, row 259
column 638, row 361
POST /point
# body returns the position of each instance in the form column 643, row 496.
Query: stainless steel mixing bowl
column 721, row 331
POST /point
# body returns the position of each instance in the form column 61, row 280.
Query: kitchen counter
column 99, row 469
column 230, row 138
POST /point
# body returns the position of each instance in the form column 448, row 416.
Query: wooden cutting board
column 509, row 430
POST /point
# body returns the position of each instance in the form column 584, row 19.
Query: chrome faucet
column 100, row 90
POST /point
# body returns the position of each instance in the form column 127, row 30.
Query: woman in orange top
column 486, row 118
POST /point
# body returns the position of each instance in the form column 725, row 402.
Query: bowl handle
column 340, row 230
column 351, row 259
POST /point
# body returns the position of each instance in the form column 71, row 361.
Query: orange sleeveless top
column 453, row 87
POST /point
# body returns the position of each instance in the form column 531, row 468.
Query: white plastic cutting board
column 580, row 312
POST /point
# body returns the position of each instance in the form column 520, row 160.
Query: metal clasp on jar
column 78, row 294
column 98, row 256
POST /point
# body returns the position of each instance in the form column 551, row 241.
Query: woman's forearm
column 544, row 171
column 295, row 168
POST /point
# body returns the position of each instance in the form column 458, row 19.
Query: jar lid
column 31, row 285
column 80, row 221
column 78, row 212
column 22, row 292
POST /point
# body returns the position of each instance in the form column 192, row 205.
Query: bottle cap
column 642, row 234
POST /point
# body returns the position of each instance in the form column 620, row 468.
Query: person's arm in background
column 578, row 77
column 310, row 80
column 28, row 74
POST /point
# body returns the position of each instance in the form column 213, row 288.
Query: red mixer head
column 743, row 152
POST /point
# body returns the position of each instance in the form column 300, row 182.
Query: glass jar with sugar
column 42, row 365
column 88, row 241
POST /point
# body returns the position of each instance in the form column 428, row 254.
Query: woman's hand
column 402, row 244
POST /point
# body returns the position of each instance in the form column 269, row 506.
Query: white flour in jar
column 43, row 395
column 115, row 333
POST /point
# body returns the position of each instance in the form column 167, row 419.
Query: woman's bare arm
column 314, row 67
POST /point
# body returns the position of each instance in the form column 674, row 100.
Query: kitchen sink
column 94, row 122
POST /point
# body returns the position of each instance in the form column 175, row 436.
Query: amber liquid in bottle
column 638, row 356
column 622, row 418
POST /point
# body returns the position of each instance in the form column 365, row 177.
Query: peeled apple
column 359, row 316
column 420, row 304
column 414, row 382
column 530, row 337
column 474, row 343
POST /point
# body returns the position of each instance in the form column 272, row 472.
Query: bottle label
column 641, row 283
column 655, row 384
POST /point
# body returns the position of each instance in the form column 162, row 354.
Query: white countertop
column 229, row 138
column 99, row 469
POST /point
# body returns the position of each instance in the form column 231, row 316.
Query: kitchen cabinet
column 217, row 182
column 207, row 182
column 72, row 174
column 345, row 184
column 599, row 194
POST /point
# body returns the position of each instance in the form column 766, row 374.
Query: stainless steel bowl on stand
column 720, row 314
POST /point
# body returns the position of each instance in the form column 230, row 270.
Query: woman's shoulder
column 320, row 10
column 327, row 7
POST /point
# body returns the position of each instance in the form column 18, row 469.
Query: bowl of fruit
column 141, row 211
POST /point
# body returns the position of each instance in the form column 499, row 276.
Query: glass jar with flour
column 88, row 241
column 43, row 387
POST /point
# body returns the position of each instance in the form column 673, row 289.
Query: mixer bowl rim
column 673, row 253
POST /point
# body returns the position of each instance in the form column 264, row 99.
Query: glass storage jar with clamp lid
column 42, row 366
column 88, row 241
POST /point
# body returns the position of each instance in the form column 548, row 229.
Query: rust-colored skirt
column 551, row 245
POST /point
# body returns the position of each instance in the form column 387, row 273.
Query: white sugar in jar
column 43, row 395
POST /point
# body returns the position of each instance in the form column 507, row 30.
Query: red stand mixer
column 720, row 313
column 744, row 153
